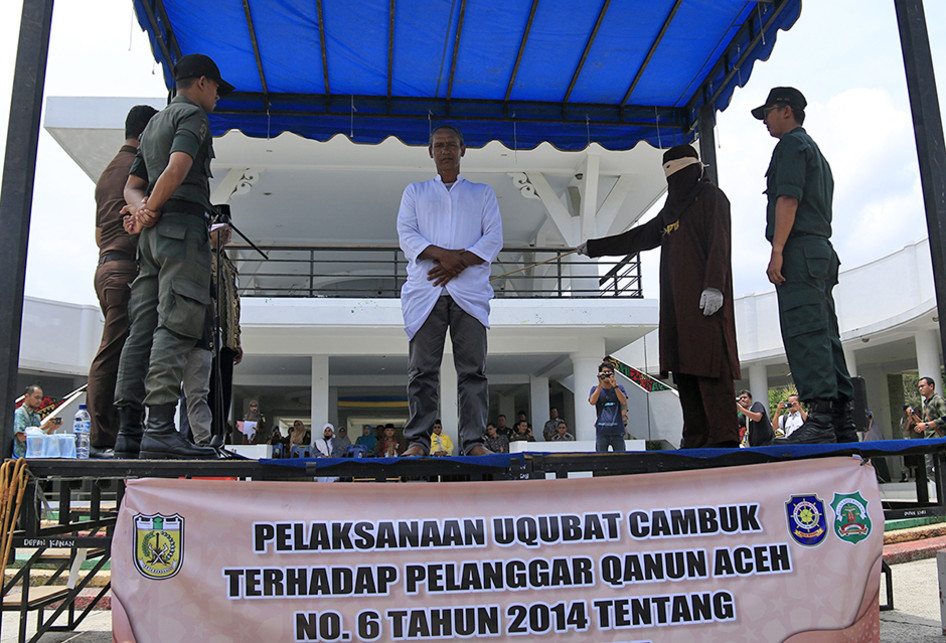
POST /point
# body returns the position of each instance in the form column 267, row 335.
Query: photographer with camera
column 795, row 416
column 607, row 397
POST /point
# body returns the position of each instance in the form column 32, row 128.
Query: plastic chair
column 356, row 451
column 301, row 451
column 278, row 450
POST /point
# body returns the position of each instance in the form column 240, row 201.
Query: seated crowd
column 387, row 441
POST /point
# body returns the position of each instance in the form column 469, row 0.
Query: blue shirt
column 610, row 420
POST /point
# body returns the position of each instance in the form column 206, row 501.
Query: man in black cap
column 697, row 323
column 804, row 269
column 168, row 197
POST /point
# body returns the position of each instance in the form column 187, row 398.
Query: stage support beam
column 16, row 193
column 707, row 127
column 930, row 148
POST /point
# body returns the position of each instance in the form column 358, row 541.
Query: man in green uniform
column 168, row 197
column 804, row 269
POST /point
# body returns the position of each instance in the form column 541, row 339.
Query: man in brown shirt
column 115, row 272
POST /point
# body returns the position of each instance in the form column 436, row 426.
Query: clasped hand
column 138, row 217
column 448, row 265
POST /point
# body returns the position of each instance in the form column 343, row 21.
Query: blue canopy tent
column 614, row 72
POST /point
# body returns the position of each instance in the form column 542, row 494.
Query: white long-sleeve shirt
column 464, row 217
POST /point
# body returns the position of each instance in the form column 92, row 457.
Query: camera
column 604, row 376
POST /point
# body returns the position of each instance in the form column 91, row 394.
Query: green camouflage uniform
column 934, row 412
column 170, row 294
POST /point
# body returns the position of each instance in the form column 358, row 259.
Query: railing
column 380, row 271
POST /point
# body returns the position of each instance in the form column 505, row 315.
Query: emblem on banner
column 806, row 520
column 159, row 545
column 851, row 521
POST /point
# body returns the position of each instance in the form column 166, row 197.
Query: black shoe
column 130, row 428
column 162, row 440
column 224, row 454
column 817, row 429
column 101, row 454
column 844, row 428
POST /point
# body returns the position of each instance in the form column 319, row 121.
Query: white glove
column 711, row 300
column 582, row 248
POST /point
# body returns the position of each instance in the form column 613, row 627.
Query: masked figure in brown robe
column 697, row 325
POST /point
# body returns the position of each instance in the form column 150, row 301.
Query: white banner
column 773, row 552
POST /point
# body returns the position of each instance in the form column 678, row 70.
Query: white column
column 759, row 384
column 927, row 355
column 850, row 358
column 878, row 403
column 320, row 401
column 449, row 408
column 333, row 406
column 586, row 374
column 538, row 404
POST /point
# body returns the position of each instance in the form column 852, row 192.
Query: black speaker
column 860, row 403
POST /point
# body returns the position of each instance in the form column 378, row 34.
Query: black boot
column 130, row 427
column 162, row 441
column 817, row 429
column 844, row 428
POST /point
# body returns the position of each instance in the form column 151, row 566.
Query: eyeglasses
column 768, row 110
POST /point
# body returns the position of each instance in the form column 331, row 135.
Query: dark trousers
column 219, row 423
column 616, row 442
column 469, row 357
column 809, row 322
column 709, row 411
column 167, row 310
column 112, row 287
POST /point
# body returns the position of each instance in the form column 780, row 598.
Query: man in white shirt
column 793, row 418
column 450, row 231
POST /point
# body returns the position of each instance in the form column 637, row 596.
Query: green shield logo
column 851, row 520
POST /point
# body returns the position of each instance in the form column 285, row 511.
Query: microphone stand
column 219, row 421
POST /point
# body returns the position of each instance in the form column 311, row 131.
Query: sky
column 844, row 55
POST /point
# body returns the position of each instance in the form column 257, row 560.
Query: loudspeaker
column 860, row 403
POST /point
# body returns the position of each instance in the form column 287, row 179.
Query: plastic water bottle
column 81, row 428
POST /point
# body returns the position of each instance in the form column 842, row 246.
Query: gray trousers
column 166, row 310
column 196, row 385
column 423, row 388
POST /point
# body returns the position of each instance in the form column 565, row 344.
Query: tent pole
column 928, row 130
column 16, row 194
column 707, row 128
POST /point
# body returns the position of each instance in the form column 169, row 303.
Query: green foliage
column 910, row 395
column 777, row 395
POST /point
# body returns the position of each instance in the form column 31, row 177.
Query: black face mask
column 682, row 187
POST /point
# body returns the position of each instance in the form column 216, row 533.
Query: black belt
column 179, row 206
column 114, row 256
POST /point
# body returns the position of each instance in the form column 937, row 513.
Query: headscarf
column 341, row 443
column 369, row 441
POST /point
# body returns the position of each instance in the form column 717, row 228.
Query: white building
column 322, row 328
